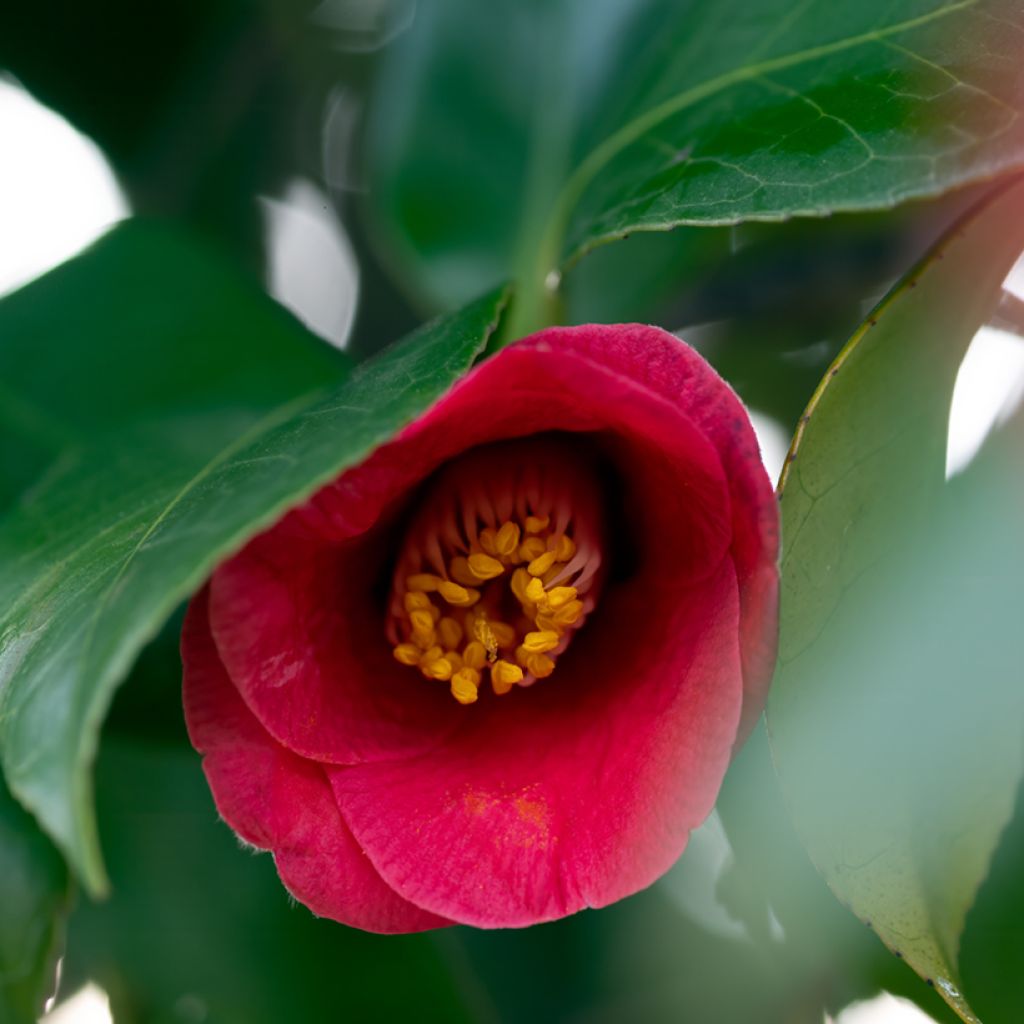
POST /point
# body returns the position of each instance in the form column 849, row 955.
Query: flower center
column 500, row 566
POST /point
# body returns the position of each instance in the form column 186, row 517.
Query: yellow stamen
column 450, row 632
column 540, row 641
column 541, row 564
column 474, row 655
column 484, row 567
column 416, row 600
column 465, row 685
column 424, row 641
column 531, row 548
column 407, row 654
column 507, row 539
column 461, row 572
column 503, row 633
column 569, row 614
column 423, row 581
column 504, row 675
column 422, row 621
column 459, row 596
column 540, row 665
column 519, row 583
column 438, row 669
column 558, row 596
column 563, row 547
column 480, row 585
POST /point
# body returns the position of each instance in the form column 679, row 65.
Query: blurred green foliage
column 202, row 108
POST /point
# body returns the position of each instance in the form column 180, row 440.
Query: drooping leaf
column 895, row 713
column 34, row 897
column 516, row 150
column 195, row 414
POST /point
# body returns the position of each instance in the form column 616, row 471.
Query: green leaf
column 896, row 706
column 516, row 150
column 197, row 929
column 159, row 468
column 34, row 895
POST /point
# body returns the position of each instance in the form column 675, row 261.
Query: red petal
column 278, row 801
column 295, row 620
column 578, row 791
column 675, row 371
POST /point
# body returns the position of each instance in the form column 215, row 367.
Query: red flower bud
column 495, row 673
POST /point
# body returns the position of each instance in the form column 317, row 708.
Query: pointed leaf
column 895, row 712
column 158, row 468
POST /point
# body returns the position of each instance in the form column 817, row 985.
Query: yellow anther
column 416, row 600
column 474, row 655
column 531, row 548
column 407, row 654
column 569, row 613
column 541, row 564
column 540, row 665
column 454, row 659
column 540, row 641
column 559, row 596
column 488, row 540
column 535, row 590
column 503, row 633
column 507, row 539
column 430, row 655
column 563, row 547
column 485, row 567
column 548, row 623
column 424, row 641
column 459, row 596
column 519, row 583
column 439, row 669
column 422, row 621
column 423, row 581
column 461, row 573
column 534, row 524
column 504, row 675
column 450, row 632
column 465, row 685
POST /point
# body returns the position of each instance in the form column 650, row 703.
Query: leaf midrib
column 550, row 248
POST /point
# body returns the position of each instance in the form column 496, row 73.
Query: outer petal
column 278, row 801
column 675, row 371
column 579, row 791
column 294, row 616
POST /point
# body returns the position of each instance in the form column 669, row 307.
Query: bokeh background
column 245, row 123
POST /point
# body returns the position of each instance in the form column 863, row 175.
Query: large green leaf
column 184, row 431
column 512, row 137
column 34, row 896
column 896, row 709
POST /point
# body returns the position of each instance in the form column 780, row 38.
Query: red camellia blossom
column 495, row 673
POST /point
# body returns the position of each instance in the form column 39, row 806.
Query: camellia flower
column 495, row 673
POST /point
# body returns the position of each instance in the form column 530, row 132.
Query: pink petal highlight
column 275, row 800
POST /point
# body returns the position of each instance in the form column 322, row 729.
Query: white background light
column 57, row 191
